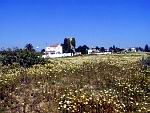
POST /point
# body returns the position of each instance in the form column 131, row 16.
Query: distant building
column 90, row 51
column 95, row 51
column 54, row 49
column 133, row 49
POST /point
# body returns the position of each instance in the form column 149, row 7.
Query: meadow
column 117, row 83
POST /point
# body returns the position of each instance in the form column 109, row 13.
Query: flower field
column 83, row 84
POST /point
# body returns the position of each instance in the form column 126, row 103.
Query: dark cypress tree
column 73, row 42
column 114, row 49
column 65, row 45
column 69, row 45
column 146, row 48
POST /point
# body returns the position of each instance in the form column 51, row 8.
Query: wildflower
column 64, row 106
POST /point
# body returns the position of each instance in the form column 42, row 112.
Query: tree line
column 28, row 56
column 69, row 46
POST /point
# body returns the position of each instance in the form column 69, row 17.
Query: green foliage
column 146, row 61
column 115, row 49
column 73, row 42
column 102, row 49
column 146, row 48
column 23, row 57
column 29, row 47
column 69, row 45
column 83, row 49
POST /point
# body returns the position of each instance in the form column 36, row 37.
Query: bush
column 146, row 61
column 24, row 58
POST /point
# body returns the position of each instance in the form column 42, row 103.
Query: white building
column 97, row 52
column 133, row 49
column 90, row 51
column 54, row 49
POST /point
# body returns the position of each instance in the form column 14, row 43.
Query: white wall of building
column 57, row 49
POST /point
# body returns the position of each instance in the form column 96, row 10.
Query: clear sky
column 124, row 23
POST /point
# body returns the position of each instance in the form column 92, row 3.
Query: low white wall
column 67, row 54
column 99, row 53
column 57, row 55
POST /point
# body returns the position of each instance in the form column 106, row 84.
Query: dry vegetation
column 85, row 84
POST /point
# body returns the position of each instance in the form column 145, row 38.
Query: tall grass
column 92, row 84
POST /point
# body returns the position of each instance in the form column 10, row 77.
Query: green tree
column 83, row 49
column 146, row 48
column 73, row 42
column 110, row 49
column 42, row 51
column 69, row 45
column 102, row 49
column 114, row 49
column 97, row 48
column 29, row 47
column 140, row 49
column 65, row 45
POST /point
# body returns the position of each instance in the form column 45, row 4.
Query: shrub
column 145, row 61
column 24, row 58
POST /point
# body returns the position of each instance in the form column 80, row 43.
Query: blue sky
column 124, row 23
